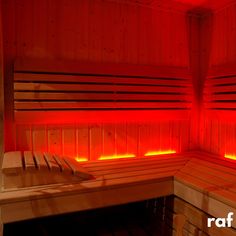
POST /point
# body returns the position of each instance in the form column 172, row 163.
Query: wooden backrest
column 220, row 89
column 69, row 86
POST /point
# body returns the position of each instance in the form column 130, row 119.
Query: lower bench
column 201, row 183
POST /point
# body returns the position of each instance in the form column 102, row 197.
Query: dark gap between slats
column 94, row 101
column 224, row 101
column 100, row 75
column 102, row 83
column 220, row 108
column 23, row 161
column 222, row 77
column 229, row 92
column 106, row 92
column 101, row 109
column 227, row 84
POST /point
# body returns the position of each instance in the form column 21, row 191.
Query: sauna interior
column 110, row 102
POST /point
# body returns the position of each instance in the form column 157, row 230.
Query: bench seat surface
column 199, row 178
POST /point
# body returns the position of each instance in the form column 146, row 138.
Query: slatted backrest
column 80, row 86
column 18, row 162
column 220, row 89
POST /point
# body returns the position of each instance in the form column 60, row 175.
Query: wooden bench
column 200, row 179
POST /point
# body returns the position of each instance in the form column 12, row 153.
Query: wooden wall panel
column 91, row 141
column 96, row 30
column 218, row 134
column 69, row 140
column 39, row 138
column 224, row 35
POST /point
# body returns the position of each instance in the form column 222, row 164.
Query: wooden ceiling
column 184, row 5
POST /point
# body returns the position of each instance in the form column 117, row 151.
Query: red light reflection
column 116, row 157
column 159, row 152
column 230, row 156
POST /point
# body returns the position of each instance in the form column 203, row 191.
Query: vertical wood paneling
column 174, row 138
column 218, row 135
column 39, row 138
column 144, row 139
column 121, row 138
column 9, row 50
column 55, row 139
column 82, row 25
column 69, row 141
column 132, row 138
column 104, row 31
column 224, row 36
column 108, row 139
column 97, row 31
column 24, row 138
column 82, row 141
column 39, row 37
column 95, row 140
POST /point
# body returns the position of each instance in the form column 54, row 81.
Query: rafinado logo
column 221, row 222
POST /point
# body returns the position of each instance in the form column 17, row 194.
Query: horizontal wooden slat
column 111, row 87
column 221, row 89
column 123, row 166
column 81, row 67
column 63, row 166
column 77, row 169
column 126, row 166
column 220, row 81
column 98, row 96
column 220, row 97
column 221, row 105
column 222, row 71
column 53, row 165
column 198, row 219
column 29, row 161
column 57, row 78
column 98, row 88
column 81, row 105
column 206, row 178
column 40, row 161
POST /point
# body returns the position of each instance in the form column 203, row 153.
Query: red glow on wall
column 230, row 156
column 193, row 2
column 159, row 152
column 116, row 157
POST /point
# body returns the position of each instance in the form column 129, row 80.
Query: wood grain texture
column 77, row 32
column 81, row 89
column 196, row 223
column 209, row 189
column 71, row 39
column 224, row 34
column 12, row 163
column 91, row 141
column 104, row 135
column 218, row 131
